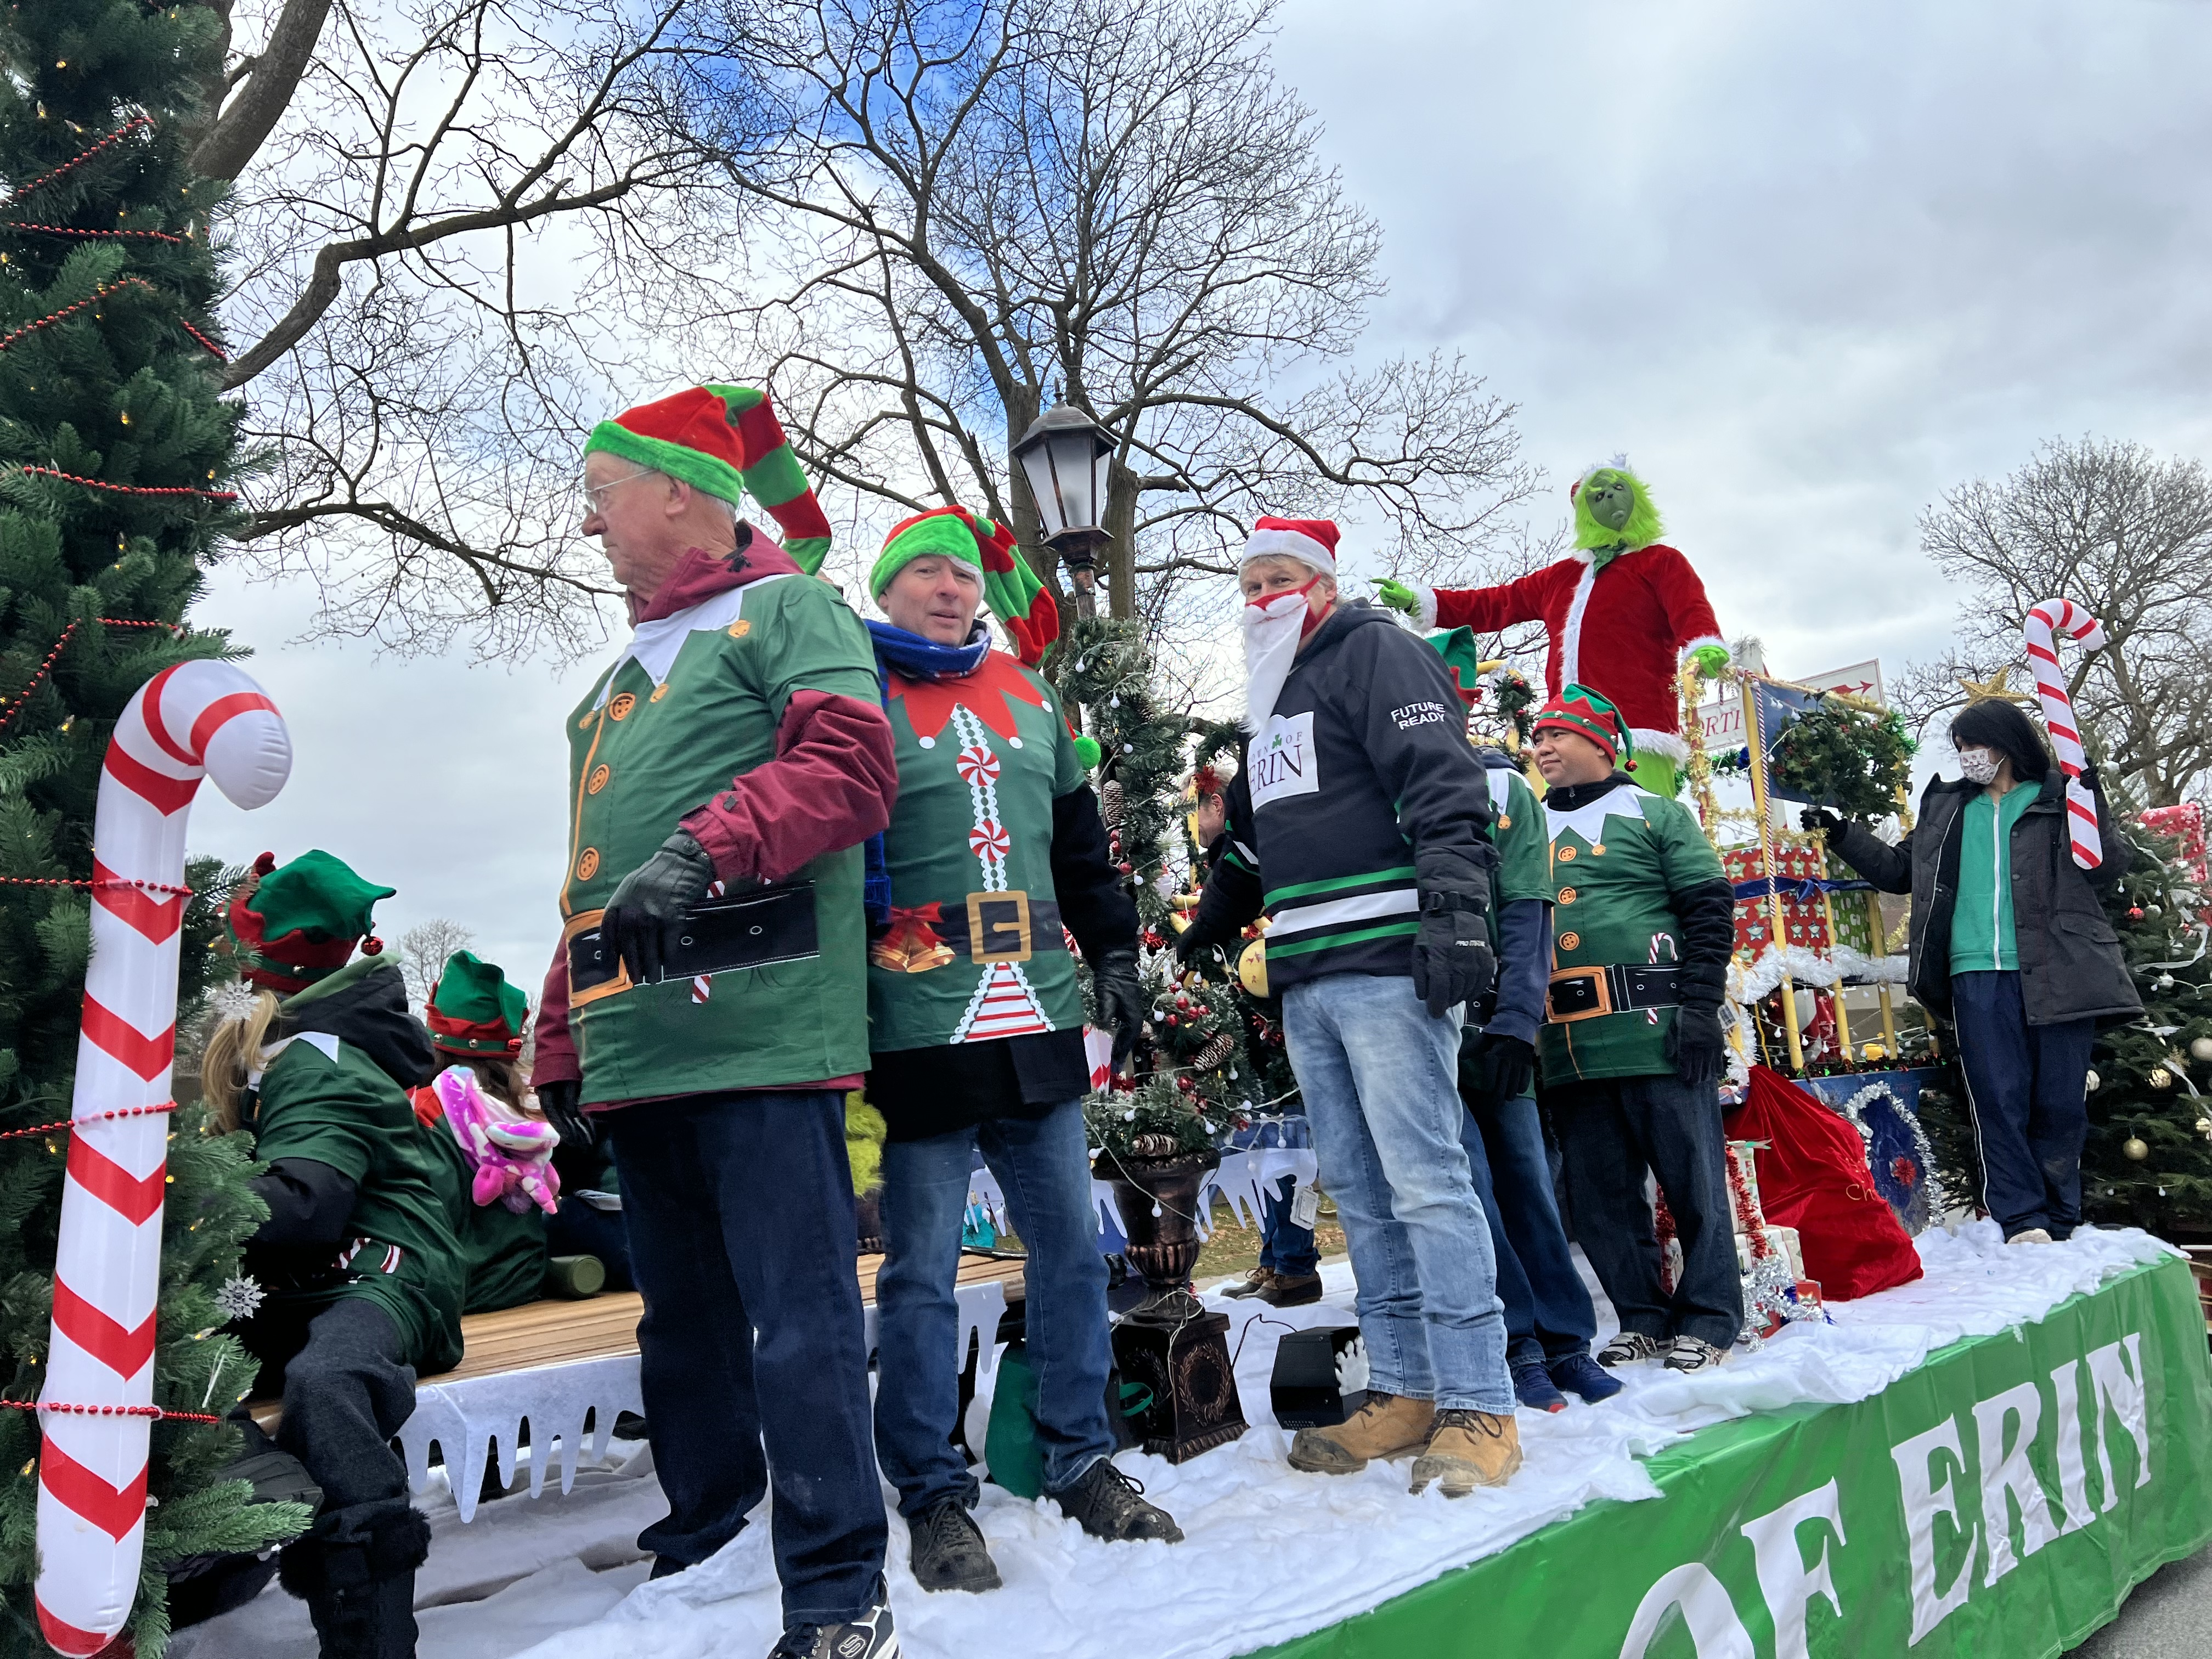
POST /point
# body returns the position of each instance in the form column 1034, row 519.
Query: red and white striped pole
column 2044, row 623
column 197, row 719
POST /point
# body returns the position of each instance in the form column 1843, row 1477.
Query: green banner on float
column 2000, row 1500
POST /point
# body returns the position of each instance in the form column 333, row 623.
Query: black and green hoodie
column 1363, row 791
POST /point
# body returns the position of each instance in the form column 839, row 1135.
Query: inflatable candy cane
column 2052, row 618
column 197, row 719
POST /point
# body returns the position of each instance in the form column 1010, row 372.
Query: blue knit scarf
column 916, row 658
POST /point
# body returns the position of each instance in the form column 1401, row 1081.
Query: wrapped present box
column 1804, row 920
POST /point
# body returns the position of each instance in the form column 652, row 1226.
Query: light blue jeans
column 1381, row 1081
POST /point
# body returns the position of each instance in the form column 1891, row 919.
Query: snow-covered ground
column 1271, row 1553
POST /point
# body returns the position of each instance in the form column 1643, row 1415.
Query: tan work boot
column 1468, row 1449
column 1386, row 1426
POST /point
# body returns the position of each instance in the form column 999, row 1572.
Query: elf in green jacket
column 723, row 772
column 1643, row 923
column 995, row 856
column 364, row 1276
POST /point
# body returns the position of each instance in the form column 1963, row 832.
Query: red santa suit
column 1624, row 630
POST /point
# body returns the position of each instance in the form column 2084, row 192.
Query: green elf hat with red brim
column 1591, row 714
column 474, row 1010
column 1016, row 594
column 1464, row 661
column 725, row 441
column 294, row 924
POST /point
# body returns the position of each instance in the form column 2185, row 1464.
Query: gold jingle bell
column 2135, row 1148
column 1252, row 968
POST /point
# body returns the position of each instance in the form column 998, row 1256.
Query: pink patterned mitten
column 513, row 1153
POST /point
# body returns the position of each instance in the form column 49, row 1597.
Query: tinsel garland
column 1854, row 1109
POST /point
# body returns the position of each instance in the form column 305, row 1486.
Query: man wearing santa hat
column 1371, row 816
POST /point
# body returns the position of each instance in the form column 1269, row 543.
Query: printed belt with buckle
column 1586, row 992
column 754, row 929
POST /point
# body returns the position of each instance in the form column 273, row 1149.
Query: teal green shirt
column 1981, row 922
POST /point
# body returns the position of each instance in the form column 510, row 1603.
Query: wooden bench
column 563, row 1360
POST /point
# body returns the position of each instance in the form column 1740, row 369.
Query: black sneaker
column 868, row 1637
column 949, row 1552
column 1107, row 1503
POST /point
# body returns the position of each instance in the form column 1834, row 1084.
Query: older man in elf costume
column 1623, row 612
column 1643, row 924
column 996, row 847
column 1371, row 827
column 709, row 1004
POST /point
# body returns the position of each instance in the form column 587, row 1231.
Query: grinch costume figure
column 1623, row 613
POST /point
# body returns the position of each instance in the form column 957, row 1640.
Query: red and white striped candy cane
column 2044, row 622
column 197, row 719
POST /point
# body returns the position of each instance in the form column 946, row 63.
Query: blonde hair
column 233, row 1052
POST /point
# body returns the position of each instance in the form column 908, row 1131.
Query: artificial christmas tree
column 116, row 455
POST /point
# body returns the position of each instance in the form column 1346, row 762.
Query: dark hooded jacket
column 2070, row 963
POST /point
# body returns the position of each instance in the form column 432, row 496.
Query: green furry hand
column 1398, row 596
column 1710, row 659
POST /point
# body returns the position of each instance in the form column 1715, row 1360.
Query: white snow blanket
column 1271, row 1554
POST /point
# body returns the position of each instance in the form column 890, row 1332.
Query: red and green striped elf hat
column 725, row 441
column 1014, row 591
column 1591, row 714
column 474, row 1010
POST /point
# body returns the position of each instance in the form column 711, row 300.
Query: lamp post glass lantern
column 1065, row 456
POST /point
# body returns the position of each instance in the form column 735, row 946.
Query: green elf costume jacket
column 996, row 856
column 744, row 709
column 1642, row 920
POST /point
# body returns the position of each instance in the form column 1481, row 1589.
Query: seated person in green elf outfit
column 364, row 1277
column 995, row 846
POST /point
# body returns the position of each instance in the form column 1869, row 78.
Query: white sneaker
column 1691, row 1355
column 2029, row 1236
column 1629, row 1348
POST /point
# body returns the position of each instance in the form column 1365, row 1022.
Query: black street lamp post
column 1065, row 456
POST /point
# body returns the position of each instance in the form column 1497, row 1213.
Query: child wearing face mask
column 2010, row 943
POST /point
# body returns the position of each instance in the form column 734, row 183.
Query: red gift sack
column 1813, row 1175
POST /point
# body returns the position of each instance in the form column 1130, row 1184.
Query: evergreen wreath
column 1835, row 756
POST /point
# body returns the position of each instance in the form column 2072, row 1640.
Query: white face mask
column 1273, row 627
column 1979, row 765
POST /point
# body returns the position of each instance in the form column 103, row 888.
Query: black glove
column 1820, row 817
column 1120, row 998
column 561, row 1102
column 1452, row 963
column 658, row 892
column 1695, row 1047
column 1494, row 1068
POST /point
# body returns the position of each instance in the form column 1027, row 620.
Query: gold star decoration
column 1993, row 689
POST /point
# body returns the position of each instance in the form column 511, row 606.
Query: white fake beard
column 1271, row 633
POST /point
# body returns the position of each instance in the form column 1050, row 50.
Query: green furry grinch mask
column 1613, row 511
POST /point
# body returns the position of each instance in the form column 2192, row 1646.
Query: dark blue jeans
column 738, row 1209
column 1043, row 1167
column 1285, row 1246
column 1548, row 1315
column 2027, row 1088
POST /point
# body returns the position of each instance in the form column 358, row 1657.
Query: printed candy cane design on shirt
column 1004, row 1004
column 197, row 719
column 2052, row 618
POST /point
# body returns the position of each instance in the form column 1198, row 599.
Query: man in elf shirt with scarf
column 736, row 749
column 995, row 856
column 1371, row 816
column 1643, row 924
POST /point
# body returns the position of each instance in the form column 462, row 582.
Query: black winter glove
column 1696, row 1047
column 1452, row 961
column 563, row 1104
column 1494, row 1068
column 658, row 892
column 1820, row 818
column 1121, row 1000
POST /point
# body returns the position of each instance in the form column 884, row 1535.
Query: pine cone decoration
column 1109, row 803
column 1217, row 1051
column 1153, row 1145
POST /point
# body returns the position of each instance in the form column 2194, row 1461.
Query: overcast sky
column 1810, row 266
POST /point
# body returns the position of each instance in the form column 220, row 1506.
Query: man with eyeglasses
column 708, row 1008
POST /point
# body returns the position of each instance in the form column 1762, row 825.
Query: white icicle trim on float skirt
column 1806, row 967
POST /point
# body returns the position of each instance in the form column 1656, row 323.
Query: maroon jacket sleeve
column 553, row 1051
column 831, row 785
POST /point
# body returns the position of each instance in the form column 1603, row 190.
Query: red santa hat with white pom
column 1310, row 541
